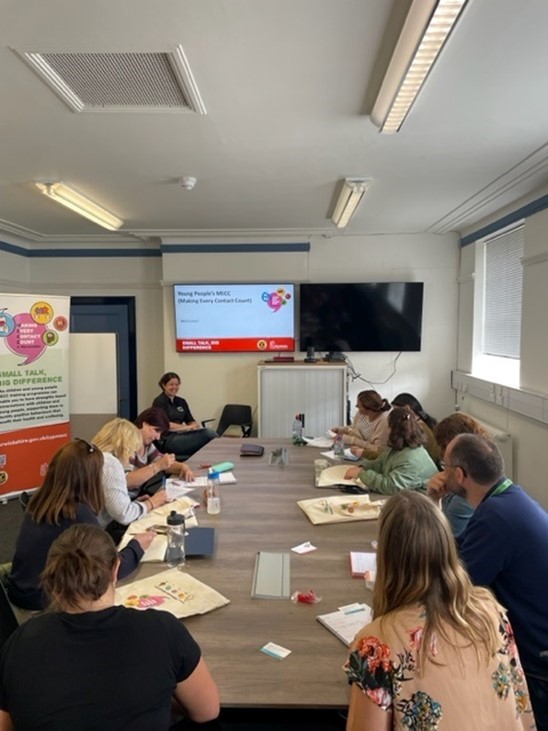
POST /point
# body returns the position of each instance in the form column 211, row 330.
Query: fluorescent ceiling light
column 80, row 204
column 352, row 193
column 426, row 28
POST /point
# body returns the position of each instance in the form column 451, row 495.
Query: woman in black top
column 90, row 665
column 185, row 435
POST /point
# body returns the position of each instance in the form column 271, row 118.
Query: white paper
column 347, row 455
column 362, row 562
column 321, row 442
column 304, row 548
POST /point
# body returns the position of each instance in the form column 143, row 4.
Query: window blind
column 503, row 294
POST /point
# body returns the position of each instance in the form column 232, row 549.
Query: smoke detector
column 187, row 182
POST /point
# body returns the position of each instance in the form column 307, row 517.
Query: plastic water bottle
column 213, row 494
column 338, row 447
column 175, row 553
column 297, row 431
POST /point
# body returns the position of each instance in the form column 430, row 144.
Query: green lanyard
column 504, row 485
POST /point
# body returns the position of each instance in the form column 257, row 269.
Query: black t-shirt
column 177, row 411
column 97, row 671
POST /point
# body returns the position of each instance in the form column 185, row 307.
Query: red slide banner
column 235, row 345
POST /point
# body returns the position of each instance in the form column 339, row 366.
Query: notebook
column 345, row 623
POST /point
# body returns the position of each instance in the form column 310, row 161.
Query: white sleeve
column 118, row 504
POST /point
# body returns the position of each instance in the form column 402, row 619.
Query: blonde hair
column 417, row 563
column 119, row 437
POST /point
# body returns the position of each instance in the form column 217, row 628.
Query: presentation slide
column 234, row 317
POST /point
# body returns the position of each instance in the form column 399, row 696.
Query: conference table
column 260, row 513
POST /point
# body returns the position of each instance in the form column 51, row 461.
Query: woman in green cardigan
column 405, row 464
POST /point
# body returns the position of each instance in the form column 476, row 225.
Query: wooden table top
column 260, row 513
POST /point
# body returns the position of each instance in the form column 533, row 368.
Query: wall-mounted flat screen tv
column 367, row 317
column 234, row 318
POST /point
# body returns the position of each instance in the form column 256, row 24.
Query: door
column 104, row 362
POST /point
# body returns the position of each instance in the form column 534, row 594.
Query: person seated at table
column 91, row 665
column 119, row 440
column 372, row 410
column 405, row 464
column 440, row 652
column 71, row 494
column 149, row 465
column 185, row 436
column 457, row 510
column 427, row 422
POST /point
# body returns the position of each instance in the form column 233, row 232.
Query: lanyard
column 504, row 485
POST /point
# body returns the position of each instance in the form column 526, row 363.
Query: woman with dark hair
column 71, row 493
column 440, row 652
column 185, row 436
column 149, row 464
column 372, row 414
column 427, row 422
column 457, row 510
column 90, row 665
column 405, row 465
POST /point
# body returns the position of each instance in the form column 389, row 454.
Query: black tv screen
column 372, row 316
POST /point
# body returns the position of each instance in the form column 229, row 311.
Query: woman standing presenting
column 90, row 665
column 185, row 436
column 440, row 653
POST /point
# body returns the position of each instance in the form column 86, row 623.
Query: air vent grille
column 119, row 81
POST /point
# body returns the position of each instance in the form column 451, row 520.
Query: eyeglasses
column 91, row 447
column 445, row 465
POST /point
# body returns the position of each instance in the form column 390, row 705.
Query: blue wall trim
column 232, row 248
column 534, row 207
column 148, row 253
column 78, row 253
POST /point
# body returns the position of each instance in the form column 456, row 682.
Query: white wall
column 112, row 277
column 14, row 272
column 530, row 436
column 210, row 381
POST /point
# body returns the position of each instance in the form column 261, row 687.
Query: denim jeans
column 183, row 444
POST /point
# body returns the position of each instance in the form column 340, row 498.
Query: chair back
column 24, row 499
column 236, row 415
column 8, row 620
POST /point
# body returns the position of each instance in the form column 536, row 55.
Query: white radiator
column 504, row 442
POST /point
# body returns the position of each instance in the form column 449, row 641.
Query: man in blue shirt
column 505, row 547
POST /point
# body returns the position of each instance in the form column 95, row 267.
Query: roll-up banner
column 34, row 409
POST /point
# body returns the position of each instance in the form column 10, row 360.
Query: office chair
column 24, row 499
column 8, row 620
column 234, row 415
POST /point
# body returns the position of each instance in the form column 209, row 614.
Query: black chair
column 24, row 499
column 234, row 415
column 8, row 620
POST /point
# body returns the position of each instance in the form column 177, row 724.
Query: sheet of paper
column 330, row 454
column 305, row 547
column 321, row 442
column 362, row 562
column 335, row 475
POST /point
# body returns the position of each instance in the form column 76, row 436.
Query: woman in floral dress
column 440, row 653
